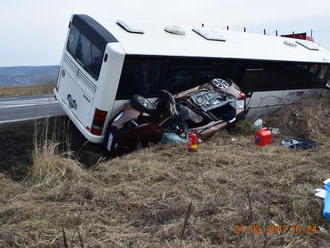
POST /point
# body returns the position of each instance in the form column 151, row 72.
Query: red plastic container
column 192, row 142
column 263, row 137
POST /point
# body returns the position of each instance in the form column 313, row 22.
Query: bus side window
column 73, row 40
column 253, row 79
column 304, row 76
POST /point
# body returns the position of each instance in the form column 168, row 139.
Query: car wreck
column 204, row 110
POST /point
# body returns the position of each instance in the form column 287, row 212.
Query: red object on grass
column 192, row 142
column 263, row 137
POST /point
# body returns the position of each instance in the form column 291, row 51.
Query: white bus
column 104, row 65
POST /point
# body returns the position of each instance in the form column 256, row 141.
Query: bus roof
column 156, row 41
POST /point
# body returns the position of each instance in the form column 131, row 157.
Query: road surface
column 16, row 109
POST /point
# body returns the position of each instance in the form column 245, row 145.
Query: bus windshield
column 86, row 43
column 85, row 52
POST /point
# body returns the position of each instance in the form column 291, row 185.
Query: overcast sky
column 33, row 31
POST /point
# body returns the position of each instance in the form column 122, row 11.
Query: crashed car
column 204, row 110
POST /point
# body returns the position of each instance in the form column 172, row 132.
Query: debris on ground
column 263, row 137
column 168, row 138
column 299, row 144
column 275, row 130
column 326, row 204
column 258, row 123
column 324, row 193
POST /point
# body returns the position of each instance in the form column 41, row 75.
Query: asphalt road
column 17, row 109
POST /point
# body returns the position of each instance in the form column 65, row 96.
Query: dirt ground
column 18, row 141
column 231, row 193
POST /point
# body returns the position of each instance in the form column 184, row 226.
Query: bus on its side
column 104, row 66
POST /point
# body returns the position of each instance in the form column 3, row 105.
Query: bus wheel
column 142, row 104
column 110, row 141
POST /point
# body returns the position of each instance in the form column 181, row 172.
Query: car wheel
column 220, row 83
column 142, row 104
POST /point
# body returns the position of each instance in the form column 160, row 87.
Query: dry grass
column 310, row 118
column 49, row 168
column 51, row 164
column 26, row 90
column 165, row 196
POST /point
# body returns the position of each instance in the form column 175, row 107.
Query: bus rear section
column 80, row 79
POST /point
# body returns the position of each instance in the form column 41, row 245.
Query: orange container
column 263, row 137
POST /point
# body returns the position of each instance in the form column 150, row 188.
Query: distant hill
column 27, row 75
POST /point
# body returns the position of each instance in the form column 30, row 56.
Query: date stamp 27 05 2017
column 274, row 229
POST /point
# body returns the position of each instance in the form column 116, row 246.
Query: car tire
column 142, row 104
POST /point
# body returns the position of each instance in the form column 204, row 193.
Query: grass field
column 26, row 90
column 165, row 196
